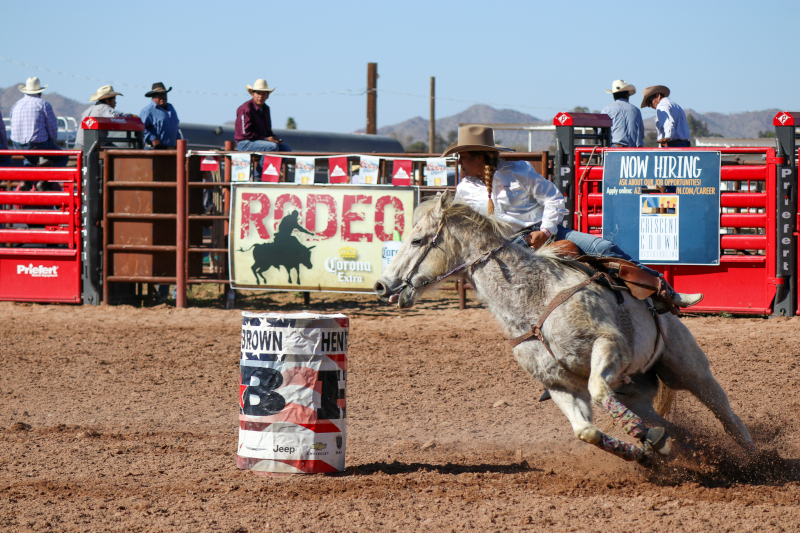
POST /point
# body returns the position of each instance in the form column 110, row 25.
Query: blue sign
column 662, row 206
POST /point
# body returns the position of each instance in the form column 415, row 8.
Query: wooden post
column 181, row 226
column 432, row 143
column 372, row 98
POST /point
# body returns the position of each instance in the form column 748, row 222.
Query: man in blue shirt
column 627, row 127
column 160, row 120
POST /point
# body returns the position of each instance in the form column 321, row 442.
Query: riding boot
column 679, row 299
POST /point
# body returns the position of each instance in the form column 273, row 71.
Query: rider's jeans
column 598, row 247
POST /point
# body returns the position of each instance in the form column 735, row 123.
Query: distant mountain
column 739, row 125
column 62, row 106
column 416, row 129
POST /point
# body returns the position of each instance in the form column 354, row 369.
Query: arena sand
column 125, row 419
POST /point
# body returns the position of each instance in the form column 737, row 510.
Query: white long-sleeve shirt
column 671, row 121
column 521, row 196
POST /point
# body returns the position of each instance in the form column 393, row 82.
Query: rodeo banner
column 662, row 206
column 314, row 238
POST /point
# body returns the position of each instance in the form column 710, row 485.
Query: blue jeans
column 46, row 145
column 598, row 247
column 260, row 146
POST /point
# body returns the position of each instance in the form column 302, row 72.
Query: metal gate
column 745, row 281
column 40, row 231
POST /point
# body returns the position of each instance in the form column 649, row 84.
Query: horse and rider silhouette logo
column 285, row 250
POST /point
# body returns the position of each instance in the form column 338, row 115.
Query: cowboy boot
column 679, row 299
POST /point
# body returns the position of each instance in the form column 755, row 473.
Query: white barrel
column 390, row 249
column 293, row 372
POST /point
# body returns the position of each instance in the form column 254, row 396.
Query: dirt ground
column 125, row 419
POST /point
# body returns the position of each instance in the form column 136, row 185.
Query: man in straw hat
column 673, row 130
column 254, row 125
column 105, row 101
column 627, row 127
column 160, row 119
column 513, row 192
column 34, row 125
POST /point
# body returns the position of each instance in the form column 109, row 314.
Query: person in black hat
column 160, row 119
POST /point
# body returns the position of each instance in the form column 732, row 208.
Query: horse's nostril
column 380, row 288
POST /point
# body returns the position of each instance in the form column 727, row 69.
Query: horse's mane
column 471, row 221
column 466, row 218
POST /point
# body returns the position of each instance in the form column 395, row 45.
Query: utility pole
column 372, row 98
column 432, row 143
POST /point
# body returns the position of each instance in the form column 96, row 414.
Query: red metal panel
column 786, row 118
column 36, row 173
column 17, row 216
column 42, row 274
column 743, row 173
column 35, row 198
column 753, row 293
column 743, row 242
column 588, row 120
column 743, row 199
column 115, row 124
column 741, row 220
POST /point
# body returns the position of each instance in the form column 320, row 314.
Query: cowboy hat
column 473, row 138
column 106, row 91
column 260, row 86
column 652, row 90
column 621, row 85
column 32, row 86
column 158, row 88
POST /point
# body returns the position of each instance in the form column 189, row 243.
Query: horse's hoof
column 658, row 440
column 545, row 396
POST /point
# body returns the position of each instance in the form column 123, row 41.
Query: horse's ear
column 445, row 199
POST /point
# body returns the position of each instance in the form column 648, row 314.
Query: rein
column 469, row 264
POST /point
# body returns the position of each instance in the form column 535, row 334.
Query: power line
column 470, row 101
column 346, row 92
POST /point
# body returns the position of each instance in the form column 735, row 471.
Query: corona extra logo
column 782, row 118
column 348, row 252
column 367, row 166
column 562, row 118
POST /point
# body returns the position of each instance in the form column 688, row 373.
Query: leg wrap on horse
column 630, row 422
column 624, row 450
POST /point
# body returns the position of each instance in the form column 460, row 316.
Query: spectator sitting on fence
column 673, row 130
column 5, row 160
column 254, row 126
column 627, row 127
column 160, row 120
column 105, row 102
column 34, row 125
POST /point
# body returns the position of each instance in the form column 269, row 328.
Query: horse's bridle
column 469, row 264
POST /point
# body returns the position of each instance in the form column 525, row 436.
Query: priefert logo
column 40, row 271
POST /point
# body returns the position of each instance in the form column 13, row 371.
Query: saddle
column 618, row 274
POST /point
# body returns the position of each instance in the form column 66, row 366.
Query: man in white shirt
column 673, row 129
column 105, row 102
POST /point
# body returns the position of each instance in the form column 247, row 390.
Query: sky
column 535, row 57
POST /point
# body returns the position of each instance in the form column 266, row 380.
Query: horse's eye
column 416, row 242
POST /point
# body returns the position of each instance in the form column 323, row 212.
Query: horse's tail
column 242, row 250
column 664, row 400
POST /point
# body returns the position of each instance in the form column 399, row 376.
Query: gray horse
column 597, row 346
